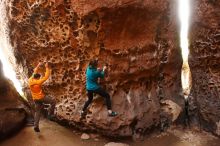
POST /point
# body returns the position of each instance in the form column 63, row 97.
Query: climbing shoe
column 36, row 129
column 113, row 114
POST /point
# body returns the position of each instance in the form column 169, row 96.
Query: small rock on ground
column 94, row 135
column 85, row 136
column 96, row 139
column 115, row 144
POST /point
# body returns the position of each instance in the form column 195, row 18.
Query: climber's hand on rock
column 39, row 65
column 49, row 65
column 104, row 68
column 46, row 65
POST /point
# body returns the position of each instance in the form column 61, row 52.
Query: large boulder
column 205, row 64
column 138, row 40
column 12, row 114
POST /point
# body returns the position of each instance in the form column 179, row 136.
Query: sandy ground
column 53, row 134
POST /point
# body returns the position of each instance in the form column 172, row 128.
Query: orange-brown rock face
column 204, row 63
column 136, row 38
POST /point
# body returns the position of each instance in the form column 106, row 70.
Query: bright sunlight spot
column 184, row 13
column 9, row 72
column 6, row 55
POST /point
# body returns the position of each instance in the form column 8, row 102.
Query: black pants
column 100, row 92
column 39, row 104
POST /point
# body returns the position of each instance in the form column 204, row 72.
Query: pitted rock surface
column 204, row 63
column 138, row 41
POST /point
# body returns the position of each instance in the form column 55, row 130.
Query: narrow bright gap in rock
column 9, row 72
column 184, row 13
column 6, row 55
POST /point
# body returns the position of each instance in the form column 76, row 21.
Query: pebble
column 85, row 136
column 115, row 144
column 96, row 139
column 94, row 135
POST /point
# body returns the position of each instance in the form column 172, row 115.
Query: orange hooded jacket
column 35, row 84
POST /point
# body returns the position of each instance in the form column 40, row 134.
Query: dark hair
column 93, row 63
column 37, row 76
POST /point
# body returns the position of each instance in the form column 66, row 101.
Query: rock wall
column 138, row 39
column 12, row 115
column 204, row 63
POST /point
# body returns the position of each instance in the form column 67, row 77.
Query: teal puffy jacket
column 92, row 75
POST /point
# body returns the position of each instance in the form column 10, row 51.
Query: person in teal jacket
column 92, row 86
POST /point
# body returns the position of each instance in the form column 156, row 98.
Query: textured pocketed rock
column 204, row 63
column 137, row 39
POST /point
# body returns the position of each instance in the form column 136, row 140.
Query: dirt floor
column 53, row 134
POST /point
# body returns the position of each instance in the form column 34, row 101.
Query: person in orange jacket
column 35, row 84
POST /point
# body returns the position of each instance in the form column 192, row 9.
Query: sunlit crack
column 6, row 54
column 184, row 14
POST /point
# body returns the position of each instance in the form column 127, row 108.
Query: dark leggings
column 100, row 92
column 39, row 104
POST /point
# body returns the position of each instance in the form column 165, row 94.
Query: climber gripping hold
column 35, row 84
column 92, row 75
